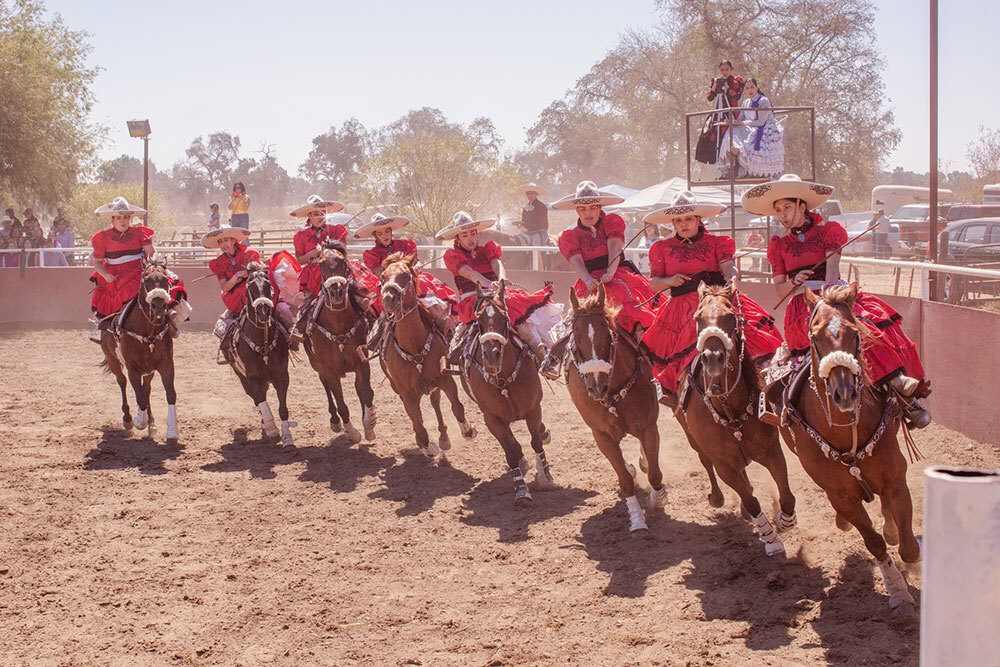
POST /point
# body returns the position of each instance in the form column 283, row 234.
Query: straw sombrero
column 532, row 187
column 683, row 203
column 760, row 198
column 119, row 206
column 463, row 222
column 587, row 193
column 316, row 203
column 214, row 238
column 379, row 221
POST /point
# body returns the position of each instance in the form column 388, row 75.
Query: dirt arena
column 228, row 550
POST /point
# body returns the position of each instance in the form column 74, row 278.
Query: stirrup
column 96, row 335
column 550, row 367
column 917, row 415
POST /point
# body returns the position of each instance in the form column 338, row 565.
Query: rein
column 154, row 336
column 419, row 357
column 499, row 383
column 341, row 339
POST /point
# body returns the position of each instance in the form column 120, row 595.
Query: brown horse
column 844, row 432
column 718, row 412
column 138, row 344
column 611, row 384
column 335, row 330
column 413, row 353
column 257, row 349
column 501, row 375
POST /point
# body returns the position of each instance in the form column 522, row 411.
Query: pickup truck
column 833, row 210
column 914, row 222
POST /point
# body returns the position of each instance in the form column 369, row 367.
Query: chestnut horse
column 844, row 430
column 718, row 412
column 611, row 384
column 500, row 374
column 335, row 330
column 256, row 348
column 138, row 344
column 413, row 353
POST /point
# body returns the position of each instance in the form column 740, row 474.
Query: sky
column 283, row 73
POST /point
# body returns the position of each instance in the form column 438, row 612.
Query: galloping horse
column 611, row 385
column 844, row 432
column 138, row 343
column 500, row 373
column 718, row 412
column 413, row 354
column 257, row 349
column 335, row 330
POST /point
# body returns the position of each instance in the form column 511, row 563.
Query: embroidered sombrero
column 760, row 198
column 214, row 238
column 463, row 222
column 316, row 203
column 532, row 187
column 119, row 206
column 379, row 221
column 683, row 203
column 586, row 193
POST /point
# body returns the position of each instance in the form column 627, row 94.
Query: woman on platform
column 757, row 138
column 680, row 263
column 809, row 254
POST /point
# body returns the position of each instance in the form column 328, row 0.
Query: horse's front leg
column 611, row 448
column 737, row 479
column 444, row 442
column 457, row 409
column 363, row 387
column 335, row 425
column 516, row 463
column 412, row 406
column 141, row 390
column 775, row 464
column 650, row 446
column 167, row 378
column 539, row 438
column 280, row 380
column 116, row 370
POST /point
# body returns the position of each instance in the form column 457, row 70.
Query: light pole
column 140, row 128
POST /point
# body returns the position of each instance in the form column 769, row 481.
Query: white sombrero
column 379, row 221
column 463, row 222
column 119, row 206
column 214, row 238
column 587, row 193
column 532, row 187
column 683, row 203
column 316, row 203
column 760, row 198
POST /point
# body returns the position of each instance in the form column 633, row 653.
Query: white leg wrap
column 767, row 534
column 783, row 522
column 431, row 450
column 141, row 420
column 636, row 517
column 658, row 497
column 267, row 419
column 352, row 432
column 171, row 422
column 543, row 473
column 895, row 585
column 524, row 466
column 286, row 433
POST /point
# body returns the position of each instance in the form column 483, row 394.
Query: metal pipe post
column 145, row 179
column 932, row 243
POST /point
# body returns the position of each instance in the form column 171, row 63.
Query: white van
column 893, row 197
column 991, row 194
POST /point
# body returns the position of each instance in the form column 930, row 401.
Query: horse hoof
column 352, row 432
column 544, row 480
column 774, row 549
column 911, row 568
column 127, row 424
column 903, row 611
column 431, row 450
column 716, row 499
column 524, row 501
column 172, row 442
column 336, row 427
column 546, row 437
column 369, row 434
column 639, row 534
column 444, row 443
column 468, row 430
column 658, row 497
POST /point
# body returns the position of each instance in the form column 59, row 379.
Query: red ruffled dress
column 629, row 288
column 520, row 303
column 121, row 255
column 891, row 352
column 226, row 266
column 308, row 238
column 427, row 285
column 671, row 341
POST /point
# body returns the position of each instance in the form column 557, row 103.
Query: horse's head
column 154, row 289
column 335, row 271
column 835, row 336
column 594, row 340
column 718, row 328
column 399, row 281
column 494, row 325
column 260, row 292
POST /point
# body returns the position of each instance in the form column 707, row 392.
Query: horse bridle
column 850, row 361
column 144, row 299
column 610, row 401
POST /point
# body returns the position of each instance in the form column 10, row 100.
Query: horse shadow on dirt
column 854, row 620
column 258, row 457
column 418, row 483
column 342, row 465
column 119, row 449
column 492, row 505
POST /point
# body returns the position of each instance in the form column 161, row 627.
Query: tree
column 267, row 180
column 984, row 156
column 46, row 138
column 215, row 160
column 336, row 156
column 87, row 197
column 123, row 169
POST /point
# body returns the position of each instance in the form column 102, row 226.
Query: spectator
column 757, row 138
column 239, row 207
column 9, row 212
column 214, row 222
column 755, row 240
column 64, row 238
column 725, row 90
column 880, row 237
column 5, row 229
column 51, row 257
column 60, row 217
column 31, row 222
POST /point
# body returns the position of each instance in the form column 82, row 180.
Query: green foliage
column 46, row 138
column 87, row 197
column 336, row 156
column 984, row 156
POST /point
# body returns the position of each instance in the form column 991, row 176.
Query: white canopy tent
column 660, row 195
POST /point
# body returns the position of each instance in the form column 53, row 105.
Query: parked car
column 914, row 224
column 833, row 210
column 969, row 244
column 967, row 211
column 865, row 247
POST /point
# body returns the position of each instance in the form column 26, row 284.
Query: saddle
column 783, row 384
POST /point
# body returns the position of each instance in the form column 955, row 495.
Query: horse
column 720, row 418
column 844, row 431
column 500, row 374
column 138, row 344
column 257, row 349
column 611, row 384
column 413, row 353
column 336, row 328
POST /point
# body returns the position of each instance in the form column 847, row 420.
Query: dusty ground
column 227, row 550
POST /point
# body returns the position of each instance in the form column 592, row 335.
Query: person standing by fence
column 214, row 222
column 239, row 206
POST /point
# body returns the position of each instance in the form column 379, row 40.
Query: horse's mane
column 590, row 306
column 254, row 267
column 840, row 297
column 336, row 246
column 397, row 257
column 339, row 249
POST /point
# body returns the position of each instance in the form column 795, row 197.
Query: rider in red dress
column 119, row 254
column 691, row 257
column 891, row 357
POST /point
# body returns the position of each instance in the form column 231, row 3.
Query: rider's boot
column 458, row 343
column 222, row 324
column 298, row 331
column 179, row 313
column 283, row 312
column 905, row 385
column 916, row 413
column 551, row 367
column 547, row 366
column 375, row 339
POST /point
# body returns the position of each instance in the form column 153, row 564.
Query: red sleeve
column 725, row 248
column 492, row 251
column 657, row 264
column 409, row 246
column 569, row 244
column 775, row 258
column 145, row 234
column 834, row 236
column 98, row 244
column 454, row 260
column 251, row 255
column 340, row 233
column 299, row 243
column 370, row 258
column 614, row 226
column 218, row 266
